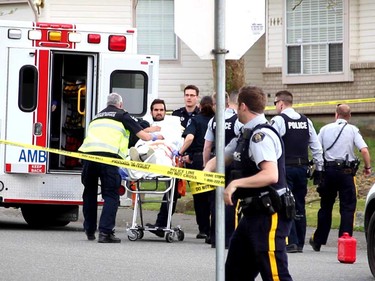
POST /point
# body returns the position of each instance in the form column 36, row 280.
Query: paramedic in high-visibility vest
column 108, row 136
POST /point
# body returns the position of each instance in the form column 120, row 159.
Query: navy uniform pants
column 162, row 217
column 297, row 181
column 258, row 246
column 110, row 181
column 201, row 200
column 336, row 181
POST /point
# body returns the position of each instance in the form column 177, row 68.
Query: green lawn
column 313, row 208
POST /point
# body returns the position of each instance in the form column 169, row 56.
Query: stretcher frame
column 134, row 186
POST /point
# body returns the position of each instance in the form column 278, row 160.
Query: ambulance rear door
column 134, row 77
column 21, row 125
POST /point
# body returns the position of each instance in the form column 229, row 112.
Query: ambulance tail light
column 14, row 33
column 117, row 43
column 93, row 38
column 54, row 36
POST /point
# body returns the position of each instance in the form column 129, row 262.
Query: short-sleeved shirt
column 349, row 139
column 268, row 148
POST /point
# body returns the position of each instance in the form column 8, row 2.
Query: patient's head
column 158, row 110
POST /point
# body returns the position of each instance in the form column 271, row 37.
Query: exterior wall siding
column 88, row 12
column 16, row 11
column 362, row 63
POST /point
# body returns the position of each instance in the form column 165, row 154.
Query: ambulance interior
column 70, row 73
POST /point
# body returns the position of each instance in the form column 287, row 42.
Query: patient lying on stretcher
column 160, row 152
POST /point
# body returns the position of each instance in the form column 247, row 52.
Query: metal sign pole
column 220, row 52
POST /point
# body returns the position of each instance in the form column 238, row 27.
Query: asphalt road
column 65, row 254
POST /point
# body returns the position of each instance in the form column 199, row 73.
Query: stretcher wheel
column 140, row 234
column 133, row 235
column 169, row 237
column 180, row 235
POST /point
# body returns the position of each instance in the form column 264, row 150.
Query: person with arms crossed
column 339, row 139
column 108, row 136
column 258, row 180
column 298, row 134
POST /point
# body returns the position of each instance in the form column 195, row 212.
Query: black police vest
column 184, row 115
column 229, row 128
column 296, row 140
column 243, row 166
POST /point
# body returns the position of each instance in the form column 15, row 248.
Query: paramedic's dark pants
column 201, row 200
column 110, row 181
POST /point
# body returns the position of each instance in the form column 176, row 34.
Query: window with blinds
column 155, row 26
column 314, row 36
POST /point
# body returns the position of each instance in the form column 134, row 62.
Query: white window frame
column 157, row 28
column 345, row 75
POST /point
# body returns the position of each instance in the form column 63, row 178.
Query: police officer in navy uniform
column 258, row 180
column 298, row 134
column 232, row 130
column 339, row 140
column 191, row 95
column 192, row 151
column 107, row 135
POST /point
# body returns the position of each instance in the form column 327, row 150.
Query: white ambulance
column 55, row 78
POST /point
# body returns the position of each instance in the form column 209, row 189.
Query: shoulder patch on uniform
column 258, row 137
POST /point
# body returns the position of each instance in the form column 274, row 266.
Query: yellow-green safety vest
column 106, row 135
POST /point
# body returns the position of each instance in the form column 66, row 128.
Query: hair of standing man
column 343, row 111
column 192, row 87
column 114, row 99
column 285, row 96
column 253, row 97
column 233, row 97
column 158, row 101
column 214, row 95
column 206, row 105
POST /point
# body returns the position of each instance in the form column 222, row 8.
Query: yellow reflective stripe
column 108, row 125
column 236, row 214
column 272, row 247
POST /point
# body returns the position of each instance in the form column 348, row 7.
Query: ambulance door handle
column 79, row 101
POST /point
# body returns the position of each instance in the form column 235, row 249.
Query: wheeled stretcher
column 148, row 189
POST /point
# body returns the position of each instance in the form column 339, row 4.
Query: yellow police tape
column 321, row 103
column 210, row 178
column 197, row 187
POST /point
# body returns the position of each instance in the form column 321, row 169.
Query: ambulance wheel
column 133, row 235
column 371, row 244
column 169, row 237
column 180, row 235
column 49, row 215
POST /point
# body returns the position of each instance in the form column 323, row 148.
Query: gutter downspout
column 35, row 11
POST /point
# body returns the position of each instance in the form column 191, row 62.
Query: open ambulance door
column 134, row 77
column 21, row 113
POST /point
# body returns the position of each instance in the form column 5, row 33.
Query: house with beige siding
column 320, row 50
